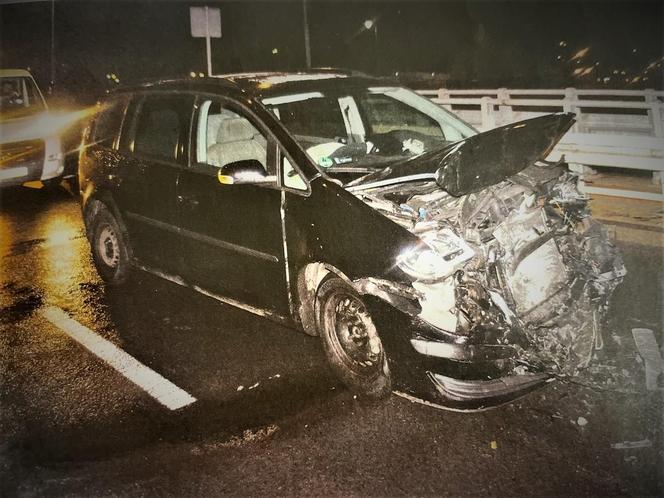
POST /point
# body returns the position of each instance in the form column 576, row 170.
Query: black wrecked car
column 453, row 267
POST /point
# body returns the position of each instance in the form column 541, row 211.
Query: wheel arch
column 92, row 205
column 309, row 279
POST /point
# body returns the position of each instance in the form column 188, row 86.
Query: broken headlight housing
column 441, row 253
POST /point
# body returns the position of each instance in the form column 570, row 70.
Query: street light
column 372, row 25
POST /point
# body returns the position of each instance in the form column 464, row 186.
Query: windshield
column 19, row 97
column 360, row 130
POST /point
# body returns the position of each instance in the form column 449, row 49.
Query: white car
column 30, row 148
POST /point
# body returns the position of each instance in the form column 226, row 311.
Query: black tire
column 350, row 340
column 52, row 184
column 110, row 249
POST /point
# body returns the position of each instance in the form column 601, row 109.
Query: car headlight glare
column 437, row 257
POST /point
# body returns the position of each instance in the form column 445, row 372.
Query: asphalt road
column 269, row 418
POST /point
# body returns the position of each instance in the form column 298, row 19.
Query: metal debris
column 649, row 351
column 542, row 273
column 628, row 445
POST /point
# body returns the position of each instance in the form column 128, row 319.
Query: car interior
column 230, row 138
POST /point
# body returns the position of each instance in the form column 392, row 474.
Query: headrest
column 235, row 130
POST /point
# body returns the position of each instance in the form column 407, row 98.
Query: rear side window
column 162, row 126
column 108, row 122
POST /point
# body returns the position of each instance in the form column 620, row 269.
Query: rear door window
column 108, row 122
column 162, row 127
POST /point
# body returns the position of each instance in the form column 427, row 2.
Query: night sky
column 486, row 44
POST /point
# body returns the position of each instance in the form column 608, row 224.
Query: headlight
column 438, row 257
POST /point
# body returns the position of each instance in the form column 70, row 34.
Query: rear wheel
column 110, row 250
column 350, row 339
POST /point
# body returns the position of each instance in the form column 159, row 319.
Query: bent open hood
column 478, row 161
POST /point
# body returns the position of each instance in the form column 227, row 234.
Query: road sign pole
column 208, row 46
column 206, row 23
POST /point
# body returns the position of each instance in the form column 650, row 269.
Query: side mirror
column 239, row 172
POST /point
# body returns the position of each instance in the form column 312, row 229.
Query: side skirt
column 226, row 300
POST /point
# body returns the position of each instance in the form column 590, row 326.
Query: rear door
column 156, row 149
column 232, row 234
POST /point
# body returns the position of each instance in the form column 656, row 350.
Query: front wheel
column 350, row 339
column 110, row 250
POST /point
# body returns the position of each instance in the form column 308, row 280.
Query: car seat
column 236, row 140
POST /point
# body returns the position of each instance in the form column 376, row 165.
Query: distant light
column 192, row 74
column 607, row 79
column 559, row 57
column 623, row 73
column 645, row 78
column 433, row 74
column 615, row 71
column 275, row 51
column 368, row 24
column 633, row 50
column 108, row 76
column 599, row 79
column 201, row 75
column 597, row 63
column 396, row 73
column 578, row 61
column 580, row 54
column 562, row 43
column 113, row 76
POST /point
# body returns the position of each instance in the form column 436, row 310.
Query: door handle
column 189, row 201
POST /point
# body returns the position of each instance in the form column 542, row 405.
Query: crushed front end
column 510, row 286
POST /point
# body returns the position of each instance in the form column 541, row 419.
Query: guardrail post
column 444, row 94
column 655, row 112
column 486, row 108
column 569, row 106
column 504, row 108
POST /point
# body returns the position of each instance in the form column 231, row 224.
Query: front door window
column 225, row 136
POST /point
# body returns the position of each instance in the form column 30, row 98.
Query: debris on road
column 254, row 386
column 647, row 346
column 628, row 445
column 239, row 388
column 494, row 445
column 248, row 436
column 581, row 422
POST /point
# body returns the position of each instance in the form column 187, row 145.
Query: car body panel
column 481, row 160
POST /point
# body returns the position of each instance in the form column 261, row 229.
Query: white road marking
column 161, row 389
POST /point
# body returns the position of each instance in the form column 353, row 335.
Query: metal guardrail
column 614, row 128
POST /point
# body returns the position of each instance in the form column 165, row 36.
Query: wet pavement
column 269, row 418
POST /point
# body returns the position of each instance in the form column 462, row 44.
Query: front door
column 232, row 234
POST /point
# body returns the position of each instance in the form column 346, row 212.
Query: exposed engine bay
column 525, row 264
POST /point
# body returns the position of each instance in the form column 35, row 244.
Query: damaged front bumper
column 444, row 369
column 457, row 374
